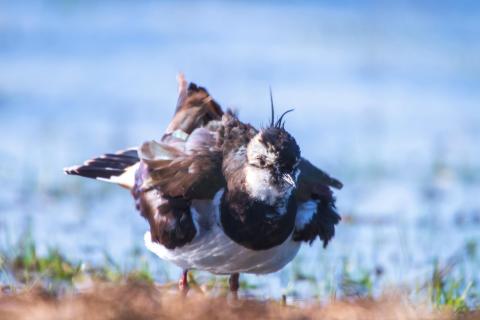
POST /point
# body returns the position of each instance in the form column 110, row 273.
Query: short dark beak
column 288, row 178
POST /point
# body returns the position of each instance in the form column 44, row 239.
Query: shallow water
column 386, row 99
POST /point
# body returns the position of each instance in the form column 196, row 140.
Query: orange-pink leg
column 183, row 282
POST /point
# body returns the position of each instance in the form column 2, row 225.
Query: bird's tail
column 118, row 168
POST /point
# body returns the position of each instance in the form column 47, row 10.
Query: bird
column 221, row 195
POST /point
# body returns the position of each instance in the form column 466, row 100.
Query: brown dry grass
column 141, row 301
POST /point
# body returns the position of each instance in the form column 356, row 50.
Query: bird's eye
column 261, row 162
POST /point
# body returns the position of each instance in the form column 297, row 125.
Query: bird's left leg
column 234, row 283
column 183, row 282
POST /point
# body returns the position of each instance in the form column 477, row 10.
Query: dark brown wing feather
column 195, row 108
column 165, row 188
column 314, row 184
column 312, row 180
column 182, row 167
column 196, row 175
column 170, row 219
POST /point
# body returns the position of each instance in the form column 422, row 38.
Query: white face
column 259, row 155
column 261, row 160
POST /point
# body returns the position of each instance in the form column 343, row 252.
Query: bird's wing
column 184, row 165
column 167, row 181
column 316, row 215
column 186, row 162
column 176, row 173
column 195, row 108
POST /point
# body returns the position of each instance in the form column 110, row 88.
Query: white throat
column 258, row 185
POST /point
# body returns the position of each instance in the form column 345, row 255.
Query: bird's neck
column 253, row 212
column 254, row 223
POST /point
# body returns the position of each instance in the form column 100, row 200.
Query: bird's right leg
column 234, row 283
column 183, row 283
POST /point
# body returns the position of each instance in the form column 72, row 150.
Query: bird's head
column 272, row 163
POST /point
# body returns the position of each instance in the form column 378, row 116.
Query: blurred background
column 386, row 98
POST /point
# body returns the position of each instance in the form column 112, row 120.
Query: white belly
column 220, row 255
column 212, row 250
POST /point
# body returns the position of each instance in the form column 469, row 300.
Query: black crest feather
column 280, row 123
column 272, row 109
